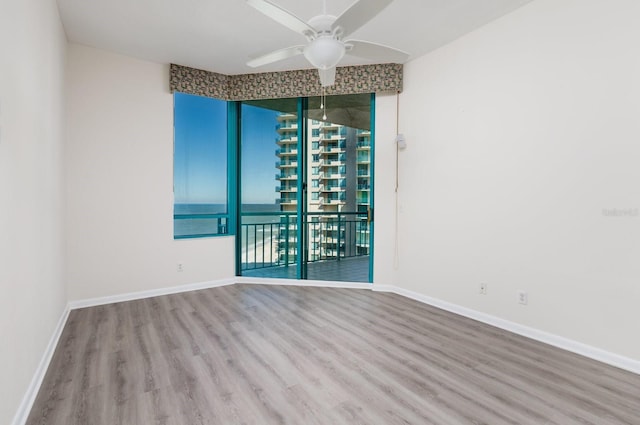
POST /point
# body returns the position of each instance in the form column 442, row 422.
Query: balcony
column 338, row 248
column 287, row 188
column 286, row 163
column 363, row 159
column 284, row 140
column 333, row 197
column 329, row 175
column 331, row 188
column 287, row 125
column 283, row 176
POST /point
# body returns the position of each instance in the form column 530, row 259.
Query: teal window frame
column 225, row 221
column 232, row 215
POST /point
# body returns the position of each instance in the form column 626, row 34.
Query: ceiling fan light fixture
column 324, row 52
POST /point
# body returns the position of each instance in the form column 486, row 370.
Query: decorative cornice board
column 381, row 78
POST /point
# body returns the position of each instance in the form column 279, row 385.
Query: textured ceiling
column 221, row 35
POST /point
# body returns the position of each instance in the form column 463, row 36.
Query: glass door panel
column 269, row 188
column 340, row 179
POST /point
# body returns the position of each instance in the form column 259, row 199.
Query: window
column 315, row 146
column 314, row 197
column 315, row 157
column 314, row 171
column 315, row 183
column 200, row 206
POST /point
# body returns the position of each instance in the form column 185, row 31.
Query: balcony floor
column 354, row 269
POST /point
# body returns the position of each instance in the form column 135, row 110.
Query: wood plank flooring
column 261, row 355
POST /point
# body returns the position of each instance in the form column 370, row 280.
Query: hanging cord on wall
column 396, row 141
column 396, row 254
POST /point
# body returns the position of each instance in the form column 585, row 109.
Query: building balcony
column 286, row 176
column 284, row 140
column 330, row 163
column 333, row 198
column 286, row 125
column 330, row 176
column 331, row 188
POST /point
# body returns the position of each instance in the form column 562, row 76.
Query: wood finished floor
column 246, row 354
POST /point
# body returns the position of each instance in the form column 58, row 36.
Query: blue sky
column 258, row 155
column 200, row 158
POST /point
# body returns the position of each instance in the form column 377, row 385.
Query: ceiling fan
column 325, row 37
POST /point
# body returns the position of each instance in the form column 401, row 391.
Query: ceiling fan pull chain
column 323, row 100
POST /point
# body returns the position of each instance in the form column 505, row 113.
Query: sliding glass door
column 268, row 189
column 306, row 188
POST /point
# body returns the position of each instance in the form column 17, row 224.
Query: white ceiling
column 221, row 35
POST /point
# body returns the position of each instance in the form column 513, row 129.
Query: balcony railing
column 287, row 150
column 286, row 163
column 287, row 125
column 271, row 239
column 186, row 226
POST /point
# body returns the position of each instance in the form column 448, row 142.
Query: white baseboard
column 24, row 409
column 585, row 350
column 91, row 302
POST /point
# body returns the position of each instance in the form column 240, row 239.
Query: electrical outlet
column 180, row 267
column 483, row 289
column 523, row 297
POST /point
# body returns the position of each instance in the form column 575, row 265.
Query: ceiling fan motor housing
column 324, row 52
column 325, row 49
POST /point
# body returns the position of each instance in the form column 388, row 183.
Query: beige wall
column 520, row 135
column 386, row 264
column 120, row 179
column 32, row 290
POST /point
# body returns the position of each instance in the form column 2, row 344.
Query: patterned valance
column 285, row 84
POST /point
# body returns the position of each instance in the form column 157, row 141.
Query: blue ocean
column 210, row 226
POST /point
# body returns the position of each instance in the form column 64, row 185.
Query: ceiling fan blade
column 376, row 52
column 281, row 16
column 276, row 56
column 327, row 76
column 359, row 14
